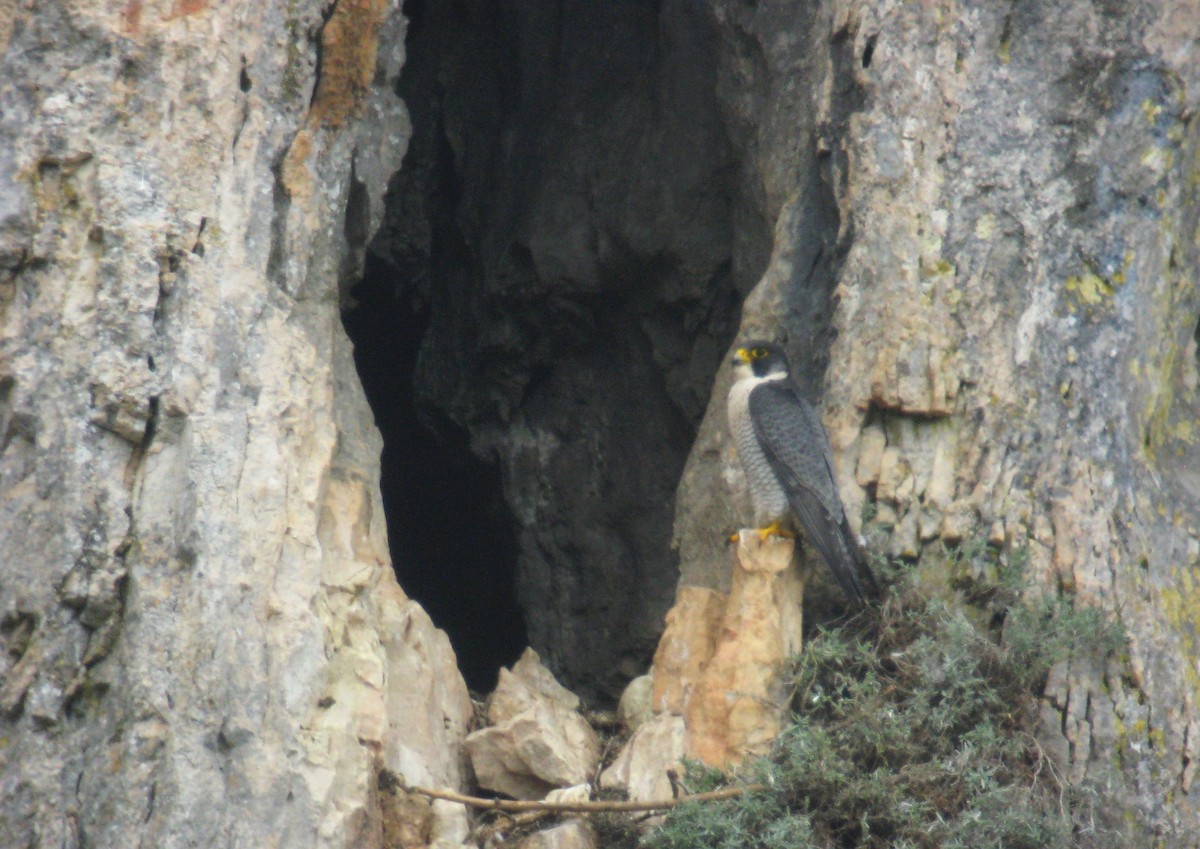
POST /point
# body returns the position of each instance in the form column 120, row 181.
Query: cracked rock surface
column 974, row 223
column 1009, row 206
column 201, row 639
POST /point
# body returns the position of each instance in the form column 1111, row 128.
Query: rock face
column 717, row 688
column 980, row 228
column 986, row 221
column 573, row 834
column 203, row 641
column 641, row 767
column 537, row 740
column 975, row 225
column 737, row 702
column 564, row 217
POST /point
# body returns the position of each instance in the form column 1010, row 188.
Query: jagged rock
column 527, row 682
column 736, row 708
column 641, row 766
column 407, row 821
column 422, row 745
column 573, row 834
column 980, row 214
column 720, row 662
column 687, row 644
column 208, row 644
column 636, row 705
column 539, row 742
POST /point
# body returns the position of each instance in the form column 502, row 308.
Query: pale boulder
column 526, row 683
column 539, row 743
column 573, row 834
column 641, row 766
column 718, row 671
column 636, row 705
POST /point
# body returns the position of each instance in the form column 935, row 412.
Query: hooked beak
column 741, row 356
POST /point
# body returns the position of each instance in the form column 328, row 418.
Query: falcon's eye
column 758, row 353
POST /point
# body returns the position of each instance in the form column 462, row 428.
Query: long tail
column 838, row 546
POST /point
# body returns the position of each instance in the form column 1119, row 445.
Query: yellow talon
column 775, row 530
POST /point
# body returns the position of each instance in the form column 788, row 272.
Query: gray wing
column 797, row 448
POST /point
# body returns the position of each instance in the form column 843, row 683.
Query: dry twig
column 589, row 807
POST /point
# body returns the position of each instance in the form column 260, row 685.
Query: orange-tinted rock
column 686, row 645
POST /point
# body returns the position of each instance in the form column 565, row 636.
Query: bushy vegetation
column 914, row 726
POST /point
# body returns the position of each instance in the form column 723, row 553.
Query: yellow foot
column 775, row 530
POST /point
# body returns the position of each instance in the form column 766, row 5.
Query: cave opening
column 540, row 317
column 451, row 539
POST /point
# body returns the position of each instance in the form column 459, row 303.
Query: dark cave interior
column 556, row 280
column 451, row 539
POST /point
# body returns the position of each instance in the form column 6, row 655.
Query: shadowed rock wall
column 566, row 215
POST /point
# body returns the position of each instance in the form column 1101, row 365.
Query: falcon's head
column 757, row 358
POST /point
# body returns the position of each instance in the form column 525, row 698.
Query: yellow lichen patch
column 1151, row 110
column 1090, row 288
column 1180, row 603
column 936, row 267
column 985, row 226
column 1158, row 159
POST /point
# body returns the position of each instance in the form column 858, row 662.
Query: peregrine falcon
column 785, row 453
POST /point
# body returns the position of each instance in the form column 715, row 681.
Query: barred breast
column 767, row 494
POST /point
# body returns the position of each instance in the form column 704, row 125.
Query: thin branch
column 511, row 806
column 502, row 823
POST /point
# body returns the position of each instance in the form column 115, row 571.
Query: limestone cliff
column 987, row 228
column 203, row 642
column 975, row 224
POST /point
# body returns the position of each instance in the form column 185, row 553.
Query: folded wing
column 797, row 449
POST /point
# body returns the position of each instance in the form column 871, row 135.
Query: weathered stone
column 636, row 705
column 737, row 706
column 189, row 506
column 575, row 340
column 893, row 473
column 573, row 834
column 539, row 742
column 1000, row 259
column 871, row 445
column 980, row 214
column 407, row 821
column 525, row 684
column 451, row 823
column 687, row 644
column 422, row 745
column 574, row 794
column 641, row 766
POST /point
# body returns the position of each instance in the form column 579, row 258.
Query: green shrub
column 914, row 726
